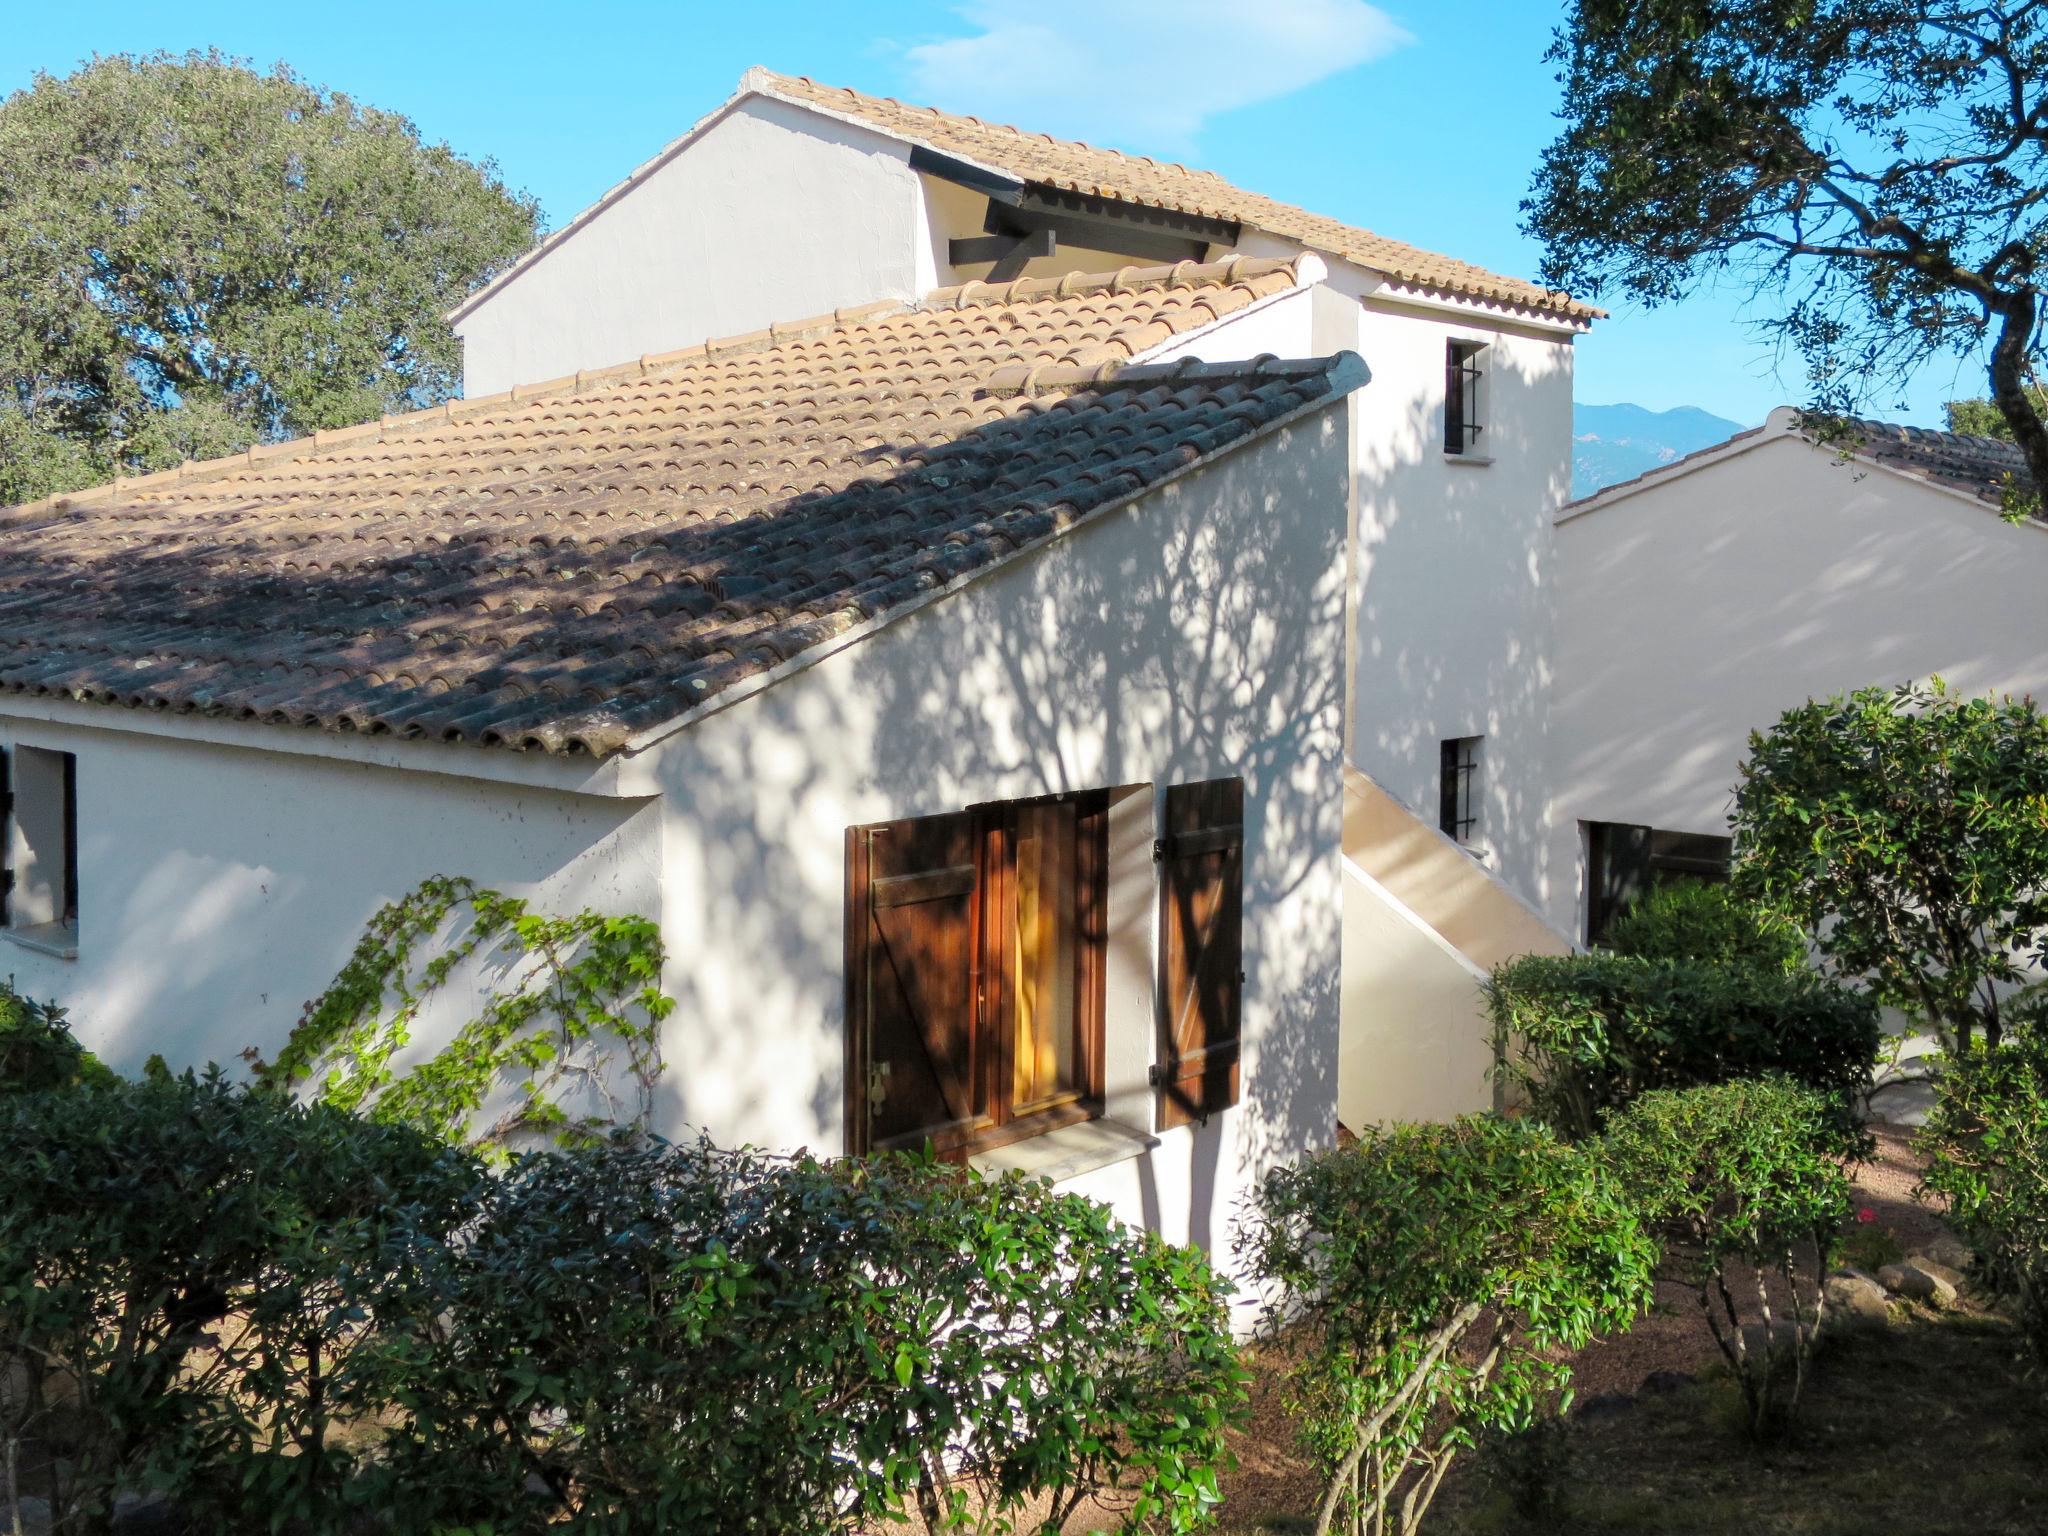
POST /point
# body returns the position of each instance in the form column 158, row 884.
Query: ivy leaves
column 577, row 1019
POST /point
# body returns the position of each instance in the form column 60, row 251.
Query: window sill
column 1468, row 458
column 1068, row 1152
column 59, row 939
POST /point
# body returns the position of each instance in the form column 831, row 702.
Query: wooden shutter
column 916, row 1071
column 1201, row 921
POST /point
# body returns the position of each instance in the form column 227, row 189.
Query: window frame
column 1662, row 856
column 58, row 933
column 993, row 1038
column 1459, row 784
column 1464, row 397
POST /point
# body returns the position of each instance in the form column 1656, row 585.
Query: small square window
column 39, row 842
column 1463, row 401
column 1458, row 815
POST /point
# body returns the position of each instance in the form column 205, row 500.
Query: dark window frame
column 1458, row 788
column 999, row 1120
column 1462, row 375
column 1625, row 861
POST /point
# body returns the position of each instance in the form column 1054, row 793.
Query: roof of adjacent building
column 571, row 563
column 1070, row 166
column 1987, row 468
column 1109, row 173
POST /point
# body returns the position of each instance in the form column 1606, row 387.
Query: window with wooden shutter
column 1201, row 920
column 975, row 974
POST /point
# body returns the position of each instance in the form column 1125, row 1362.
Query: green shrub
column 187, row 1276
column 1905, row 828
column 680, row 1337
column 1703, row 924
column 1585, row 1034
column 38, row 1050
column 1987, row 1149
column 1740, row 1174
column 1430, row 1278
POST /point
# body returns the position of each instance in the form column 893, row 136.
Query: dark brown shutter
column 1201, row 921
column 915, row 1072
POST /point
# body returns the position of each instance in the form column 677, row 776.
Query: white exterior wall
column 1195, row 634
column 1701, row 607
column 220, row 888
column 770, row 213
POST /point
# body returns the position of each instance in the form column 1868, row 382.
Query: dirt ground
column 1930, row 1429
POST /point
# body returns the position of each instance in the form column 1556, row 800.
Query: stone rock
column 1659, row 1382
column 35, row 1516
column 1856, row 1301
column 1602, row 1405
column 1949, row 1251
column 1922, row 1280
column 147, row 1514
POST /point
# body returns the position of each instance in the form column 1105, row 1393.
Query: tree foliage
column 198, row 257
column 1734, row 1178
column 1436, row 1275
column 1907, row 828
column 1701, row 924
column 1987, row 1154
column 1880, row 164
column 1978, row 417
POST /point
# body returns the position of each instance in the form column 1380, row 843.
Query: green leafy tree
column 1430, row 1281
column 1981, row 418
column 197, row 257
column 1881, row 165
column 1907, row 828
column 1736, row 1179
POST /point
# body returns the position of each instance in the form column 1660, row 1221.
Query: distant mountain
column 1618, row 442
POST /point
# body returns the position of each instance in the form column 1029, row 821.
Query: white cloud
column 1141, row 74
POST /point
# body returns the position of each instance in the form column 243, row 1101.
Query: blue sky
column 1420, row 121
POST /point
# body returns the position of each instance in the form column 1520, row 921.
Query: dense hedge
column 1583, row 1034
column 1703, row 924
column 235, row 1301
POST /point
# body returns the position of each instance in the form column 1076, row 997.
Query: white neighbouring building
column 1039, row 695
column 1700, row 601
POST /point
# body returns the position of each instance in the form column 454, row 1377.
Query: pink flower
column 1866, row 1215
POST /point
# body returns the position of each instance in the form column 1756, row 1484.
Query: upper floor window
column 1464, row 400
column 1458, row 788
column 39, row 845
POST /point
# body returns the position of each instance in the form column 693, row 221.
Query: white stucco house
column 1698, row 602
column 1063, row 661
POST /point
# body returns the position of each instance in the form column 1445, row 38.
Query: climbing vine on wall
column 577, row 1026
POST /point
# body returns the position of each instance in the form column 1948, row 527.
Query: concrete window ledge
column 1068, row 1152
column 59, row 939
column 1468, row 458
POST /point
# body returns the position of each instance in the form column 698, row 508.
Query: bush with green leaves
column 1431, row 1278
column 1741, row 1183
column 662, row 1336
column 188, row 1274
column 1582, row 1035
column 1703, row 924
column 1986, row 1144
column 38, row 1050
column 1907, row 828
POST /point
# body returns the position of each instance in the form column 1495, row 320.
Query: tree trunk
column 2009, row 389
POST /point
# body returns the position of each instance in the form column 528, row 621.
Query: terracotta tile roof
column 1075, row 167
column 574, row 562
column 1978, row 466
